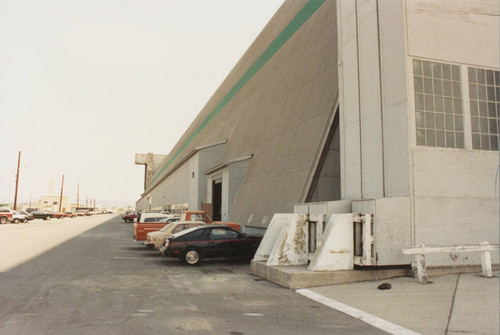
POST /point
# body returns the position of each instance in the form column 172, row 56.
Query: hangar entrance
column 223, row 185
column 217, row 199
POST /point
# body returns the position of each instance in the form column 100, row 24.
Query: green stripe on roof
column 302, row 16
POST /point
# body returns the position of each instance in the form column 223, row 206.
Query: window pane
column 428, row 86
column 492, row 111
column 497, row 78
column 419, row 102
column 480, row 76
column 419, row 84
column 455, row 69
column 493, row 126
column 420, row 137
column 420, row 120
column 485, row 142
column 438, row 104
column 429, row 103
column 459, row 124
column 448, row 105
column 490, row 79
column 440, row 139
column 427, row 69
column 450, row 139
column 472, row 75
column 459, row 138
column 476, row 141
column 438, row 86
column 440, row 121
column 430, row 121
column 483, row 122
column 446, row 68
column 436, row 70
column 457, row 106
column 431, row 137
column 483, row 109
column 494, row 142
column 457, row 90
column 417, row 67
column 447, row 90
column 475, row 124
column 474, row 108
column 481, row 92
column 491, row 93
column 473, row 91
column 448, row 120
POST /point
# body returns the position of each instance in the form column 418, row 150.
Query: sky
column 85, row 85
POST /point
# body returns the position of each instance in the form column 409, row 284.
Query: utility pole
column 17, row 179
column 60, row 199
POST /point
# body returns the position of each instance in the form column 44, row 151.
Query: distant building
column 385, row 107
column 51, row 202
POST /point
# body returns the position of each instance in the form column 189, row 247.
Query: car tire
column 3, row 220
column 191, row 257
column 47, row 218
column 25, row 220
column 15, row 221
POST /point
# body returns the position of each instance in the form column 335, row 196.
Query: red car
column 129, row 216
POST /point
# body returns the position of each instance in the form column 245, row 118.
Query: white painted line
column 253, row 314
column 145, row 311
column 379, row 323
column 138, row 315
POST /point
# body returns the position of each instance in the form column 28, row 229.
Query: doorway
column 217, row 199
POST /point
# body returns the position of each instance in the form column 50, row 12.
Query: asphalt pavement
column 88, row 276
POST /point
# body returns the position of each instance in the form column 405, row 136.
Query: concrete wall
column 454, row 189
column 448, row 194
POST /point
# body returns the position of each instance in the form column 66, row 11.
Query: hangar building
column 389, row 107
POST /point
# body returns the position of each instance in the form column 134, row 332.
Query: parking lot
column 88, row 276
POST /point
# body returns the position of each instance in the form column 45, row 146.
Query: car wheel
column 15, row 221
column 47, row 218
column 191, row 257
column 3, row 220
column 25, row 220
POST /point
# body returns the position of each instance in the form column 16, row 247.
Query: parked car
column 41, row 214
column 154, row 240
column 129, row 216
column 149, row 222
column 18, row 217
column 6, row 215
column 194, row 244
column 69, row 214
column 28, row 215
column 58, row 215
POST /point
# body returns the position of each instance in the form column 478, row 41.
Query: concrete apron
column 296, row 277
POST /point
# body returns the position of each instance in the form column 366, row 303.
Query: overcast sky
column 84, row 85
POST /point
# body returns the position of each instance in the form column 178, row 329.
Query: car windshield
column 166, row 227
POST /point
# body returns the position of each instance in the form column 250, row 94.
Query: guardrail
column 484, row 247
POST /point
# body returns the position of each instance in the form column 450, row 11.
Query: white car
column 155, row 239
column 19, row 217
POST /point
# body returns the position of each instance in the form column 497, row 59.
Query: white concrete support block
column 291, row 246
column 336, row 250
column 277, row 224
column 421, row 268
column 486, row 261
